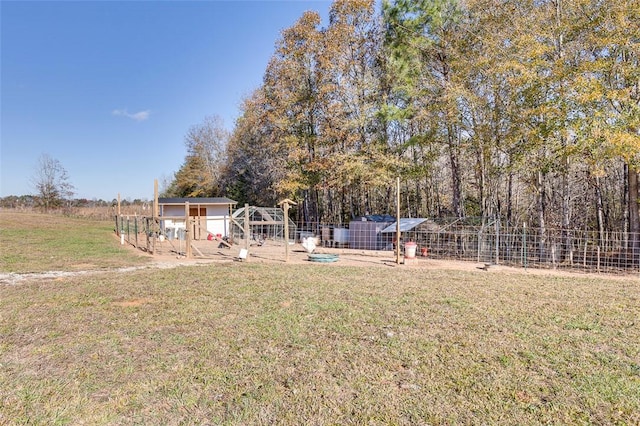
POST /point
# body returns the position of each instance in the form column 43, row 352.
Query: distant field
column 31, row 242
column 249, row 343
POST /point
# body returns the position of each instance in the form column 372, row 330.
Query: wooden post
column 155, row 198
column 187, row 234
column 398, row 220
column 286, row 231
column 497, row 240
column 118, row 218
column 156, row 214
column 285, row 206
column 479, row 242
column 227, row 222
column 247, row 227
column 524, row 244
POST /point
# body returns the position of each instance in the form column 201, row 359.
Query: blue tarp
column 375, row 218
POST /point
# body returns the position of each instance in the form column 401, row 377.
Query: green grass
column 308, row 344
column 248, row 343
column 36, row 243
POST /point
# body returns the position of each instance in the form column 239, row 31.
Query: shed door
column 199, row 214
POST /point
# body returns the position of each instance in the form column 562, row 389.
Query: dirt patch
column 132, row 303
column 275, row 253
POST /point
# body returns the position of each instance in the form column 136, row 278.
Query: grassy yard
column 31, row 242
column 248, row 343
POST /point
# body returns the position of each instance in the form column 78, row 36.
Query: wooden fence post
column 247, row 227
column 524, row 244
column 155, row 198
column 285, row 206
column 497, row 260
column 187, row 234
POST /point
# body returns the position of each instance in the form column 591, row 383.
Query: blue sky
column 110, row 88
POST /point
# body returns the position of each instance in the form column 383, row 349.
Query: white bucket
column 410, row 250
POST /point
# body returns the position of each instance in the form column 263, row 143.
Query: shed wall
column 216, row 220
column 367, row 235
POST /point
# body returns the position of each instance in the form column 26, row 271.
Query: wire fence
column 154, row 236
column 494, row 244
column 138, row 231
column 490, row 243
column 130, row 229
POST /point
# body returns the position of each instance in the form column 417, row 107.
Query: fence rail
column 610, row 252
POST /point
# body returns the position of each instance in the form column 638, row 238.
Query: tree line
column 526, row 111
column 54, row 191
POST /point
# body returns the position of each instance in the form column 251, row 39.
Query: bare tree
column 201, row 173
column 51, row 182
column 208, row 141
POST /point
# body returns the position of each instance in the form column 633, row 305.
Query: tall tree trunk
column 482, row 183
column 566, row 207
column 541, row 207
column 436, row 194
column 599, row 211
column 456, row 181
column 625, row 203
column 634, row 206
column 315, row 212
column 510, row 198
column 305, row 206
column 566, row 214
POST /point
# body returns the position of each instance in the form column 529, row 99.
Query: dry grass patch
column 308, row 344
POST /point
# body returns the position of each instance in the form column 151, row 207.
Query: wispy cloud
column 137, row 116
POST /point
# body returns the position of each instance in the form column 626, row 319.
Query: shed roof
column 209, row 201
column 406, row 224
column 375, row 218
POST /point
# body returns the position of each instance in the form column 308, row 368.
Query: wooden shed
column 206, row 216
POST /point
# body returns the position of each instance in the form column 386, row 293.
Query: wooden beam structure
column 285, row 207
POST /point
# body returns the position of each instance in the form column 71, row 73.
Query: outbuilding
column 206, row 216
column 366, row 232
